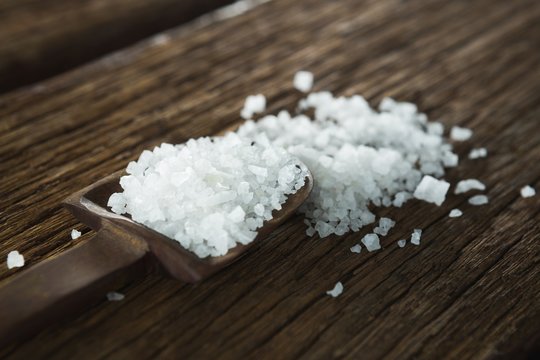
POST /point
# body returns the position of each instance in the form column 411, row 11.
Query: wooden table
column 470, row 290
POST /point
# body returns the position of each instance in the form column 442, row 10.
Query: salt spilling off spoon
column 360, row 157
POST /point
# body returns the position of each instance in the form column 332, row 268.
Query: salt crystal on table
column 432, row 190
column 303, row 81
column 455, row 213
column 254, row 104
column 336, row 291
column 385, row 224
column 469, row 184
column 401, row 243
column 460, row 134
column 478, row 200
column 356, row 249
column 115, row 296
column 478, row 153
column 371, row 242
column 75, row 234
column 14, row 259
column 527, row 191
column 415, row 236
column 361, row 158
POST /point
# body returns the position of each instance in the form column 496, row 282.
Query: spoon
column 120, row 251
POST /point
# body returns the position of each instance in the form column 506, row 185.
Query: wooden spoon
column 120, row 251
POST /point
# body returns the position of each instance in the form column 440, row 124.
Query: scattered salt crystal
column 303, row 81
column 478, row 200
column 75, row 234
column 371, row 242
column 115, row 296
column 527, row 191
column 469, row 184
column 401, row 243
column 209, row 194
column 356, row 248
column 478, row 153
column 254, row 104
column 460, row 134
column 432, row 190
column 415, row 236
column 455, row 213
column 336, row 291
column 15, row 260
column 385, row 224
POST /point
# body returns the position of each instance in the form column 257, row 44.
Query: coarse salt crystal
column 356, row 249
column 254, row 104
column 75, row 234
column 371, row 242
column 432, row 190
column 415, row 236
column 527, row 191
column 460, row 134
column 336, row 291
column 303, row 81
column 115, row 296
column 478, row 200
column 469, row 184
column 455, row 213
column 15, row 259
column 385, row 224
column 401, row 243
column 478, row 153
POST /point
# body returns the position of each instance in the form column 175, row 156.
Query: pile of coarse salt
column 209, row 194
column 360, row 157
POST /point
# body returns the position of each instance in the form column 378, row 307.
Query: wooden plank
column 470, row 290
column 39, row 39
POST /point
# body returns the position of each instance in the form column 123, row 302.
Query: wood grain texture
column 470, row 290
column 39, row 39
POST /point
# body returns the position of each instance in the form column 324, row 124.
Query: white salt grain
column 385, row 224
column 371, row 242
column 478, row 153
column 401, row 243
column 460, row 134
column 115, row 296
column 336, row 291
column 356, row 249
column 303, row 81
column 470, row 184
column 432, row 190
column 15, row 259
column 527, row 191
column 478, row 200
column 455, row 213
column 75, row 234
column 254, row 104
column 415, row 236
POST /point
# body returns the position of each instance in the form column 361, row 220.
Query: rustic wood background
column 470, row 290
column 40, row 38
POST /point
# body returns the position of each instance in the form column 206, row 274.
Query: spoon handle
column 65, row 284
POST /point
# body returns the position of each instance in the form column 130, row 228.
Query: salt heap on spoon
column 209, row 194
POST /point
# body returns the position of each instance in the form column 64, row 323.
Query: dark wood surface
column 39, row 39
column 470, row 290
